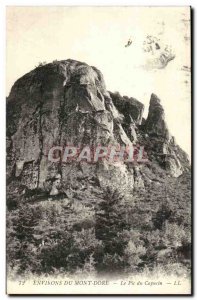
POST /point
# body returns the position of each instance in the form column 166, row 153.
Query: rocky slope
column 66, row 102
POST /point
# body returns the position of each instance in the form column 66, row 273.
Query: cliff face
column 66, row 102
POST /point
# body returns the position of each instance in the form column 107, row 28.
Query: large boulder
column 61, row 103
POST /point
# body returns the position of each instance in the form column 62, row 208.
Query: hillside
column 92, row 216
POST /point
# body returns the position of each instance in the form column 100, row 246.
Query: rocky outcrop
column 164, row 147
column 66, row 102
column 60, row 103
column 155, row 123
column 130, row 108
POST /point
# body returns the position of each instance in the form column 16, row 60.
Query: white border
column 3, row 4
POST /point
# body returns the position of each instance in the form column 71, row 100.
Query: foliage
column 105, row 233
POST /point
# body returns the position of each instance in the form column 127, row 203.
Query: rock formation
column 66, row 102
column 155, row 123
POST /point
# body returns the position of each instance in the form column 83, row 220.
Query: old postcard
column 99, row 150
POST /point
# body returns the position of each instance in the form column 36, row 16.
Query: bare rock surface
column 66, row 102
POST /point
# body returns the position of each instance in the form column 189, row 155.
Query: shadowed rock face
column 131, row 108
column 66, row 102
column 155, row 123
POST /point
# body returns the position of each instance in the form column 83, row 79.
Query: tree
column 110, row 223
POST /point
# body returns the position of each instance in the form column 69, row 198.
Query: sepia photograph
column 98, row 150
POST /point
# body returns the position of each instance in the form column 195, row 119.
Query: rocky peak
column 67, row 102
column 155, row 123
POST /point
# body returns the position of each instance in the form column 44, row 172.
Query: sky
column 98, row 37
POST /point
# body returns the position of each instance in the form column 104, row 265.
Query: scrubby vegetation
column 106, row 233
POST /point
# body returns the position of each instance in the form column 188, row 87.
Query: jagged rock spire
column 155, row 123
